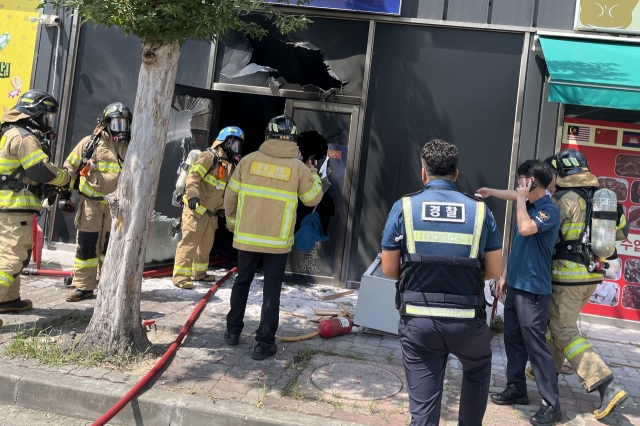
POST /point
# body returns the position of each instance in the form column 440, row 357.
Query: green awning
column 593, row 72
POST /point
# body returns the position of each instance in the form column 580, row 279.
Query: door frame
column 345, row 213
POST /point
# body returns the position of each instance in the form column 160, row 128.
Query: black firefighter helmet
column 117, row 116
column 570, row 162
column 282, row 127
column 40, row 106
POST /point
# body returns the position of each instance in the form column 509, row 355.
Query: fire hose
column 162, row 361
column 152, row 273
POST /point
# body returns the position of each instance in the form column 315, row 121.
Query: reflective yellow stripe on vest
column 573, row 272
column 87, row 190
column 571, row 231
column 440, row 312
column 315, row 189
column 182, row 271
column 33, row 158
column 200, row 267
column 472, row 240
column 104, row 166
column 5, row 279
column 576, row 347
column 74, row 159
column 9, row 200
column 477, row 229
column 59, row 179
column 7, row 166
column 84, row 264
column 211, row 180
column 199, row 209
column 408, row 225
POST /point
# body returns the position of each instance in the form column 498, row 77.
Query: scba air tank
column 603, row 223
column 182, row 178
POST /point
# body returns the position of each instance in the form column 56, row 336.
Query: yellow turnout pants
column 93, row 222
column 16, row 243
column 192, row 254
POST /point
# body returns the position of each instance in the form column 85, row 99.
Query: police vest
column 441, row 272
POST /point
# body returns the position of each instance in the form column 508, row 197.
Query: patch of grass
column 371, row 406
column 336, row 395
column 292, row 389
column 263, row 395
column 46, row 347
column 80, row 319
column 337, row 405
column 191, row 391
column 212, row 395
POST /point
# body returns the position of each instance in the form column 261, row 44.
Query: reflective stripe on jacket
column 20, row 150
column 203, row 182
column 573, row 213
column 262, row 197
column 102, row 180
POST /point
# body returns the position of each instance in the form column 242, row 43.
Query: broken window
column 327, row 57
column 189, row 129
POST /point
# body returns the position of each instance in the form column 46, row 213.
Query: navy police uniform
column 443, row 235
column 526, row 310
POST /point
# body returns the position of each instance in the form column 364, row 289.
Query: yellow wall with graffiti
column 17, row 48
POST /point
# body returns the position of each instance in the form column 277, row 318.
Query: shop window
column 326, row 58
column 602, row 114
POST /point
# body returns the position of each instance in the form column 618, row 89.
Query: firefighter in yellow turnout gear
column 24, row 166
column 260, row 205
column 573, row 284
column 96, row 163
column 203, row 200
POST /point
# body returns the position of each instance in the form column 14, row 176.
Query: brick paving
column 205, row 365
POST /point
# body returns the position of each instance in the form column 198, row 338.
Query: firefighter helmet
column 282, row 127
column 233, row 138
column 117, row 117
column 40, row 106
column 570, row 162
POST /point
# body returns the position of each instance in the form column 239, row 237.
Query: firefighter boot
column 187, row 285
column 610, row 395
column 16, row 305
column 208, row 279
column 79, row 295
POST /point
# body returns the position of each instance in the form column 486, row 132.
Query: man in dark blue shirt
column 434, row 242
column 528, row 279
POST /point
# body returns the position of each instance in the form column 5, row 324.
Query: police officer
column 25, row 133
column 573, row 284
column 526, row 310
column 203, row 201
column 260, row 205
column 95, row 164
column 435, row 242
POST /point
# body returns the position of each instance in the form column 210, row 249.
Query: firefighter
column 95, row 164
column 573, row 284
column 203, row 199
column 434, row 242
column 261, row 212
column 26, row 132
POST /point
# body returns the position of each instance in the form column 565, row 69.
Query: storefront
column 596, row 80
column 367, row 90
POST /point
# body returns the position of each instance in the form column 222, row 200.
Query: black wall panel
column 556, row 14
column 458, row 85
column 512, row 12
column 467, row 10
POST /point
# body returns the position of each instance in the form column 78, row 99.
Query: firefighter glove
column 193, row 203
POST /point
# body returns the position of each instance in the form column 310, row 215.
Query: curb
column 89, row 399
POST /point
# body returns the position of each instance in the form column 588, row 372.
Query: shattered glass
column 162, row 243
column 325, row 58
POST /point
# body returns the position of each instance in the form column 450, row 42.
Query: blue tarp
column 310, row 233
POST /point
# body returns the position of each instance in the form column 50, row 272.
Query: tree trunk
column 116, row 324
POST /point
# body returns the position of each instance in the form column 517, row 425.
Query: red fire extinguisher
column 335, row 327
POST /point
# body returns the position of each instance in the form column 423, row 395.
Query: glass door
column 326, row 132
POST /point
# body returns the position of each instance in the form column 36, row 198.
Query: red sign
column 613, row 152
column 334, row 153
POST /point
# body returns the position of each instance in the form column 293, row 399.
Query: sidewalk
column 355, row 378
